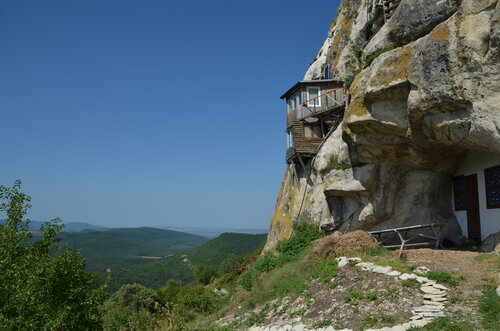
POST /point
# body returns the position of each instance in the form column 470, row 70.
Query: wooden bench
column 407, row 234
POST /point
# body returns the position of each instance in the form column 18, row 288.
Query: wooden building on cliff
column 313, row 108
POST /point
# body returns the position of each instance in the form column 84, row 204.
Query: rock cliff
column 424, row 89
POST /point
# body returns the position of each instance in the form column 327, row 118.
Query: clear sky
column 151, row 113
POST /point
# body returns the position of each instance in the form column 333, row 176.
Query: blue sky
column 151, row 113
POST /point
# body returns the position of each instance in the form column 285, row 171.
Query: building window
column 312, row 131
column 289, row 139
column 492, row 184
column 297, row 100
column 313, row 97
column 459, row 193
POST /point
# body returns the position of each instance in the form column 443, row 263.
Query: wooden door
column 472, row 202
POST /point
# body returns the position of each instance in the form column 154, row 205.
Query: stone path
column 435, row 297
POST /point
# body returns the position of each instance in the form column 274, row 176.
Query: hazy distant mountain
column 213, row 232
column 79, row 226
column 70, row 226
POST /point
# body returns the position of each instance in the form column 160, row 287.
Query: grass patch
column 489, row 306
column 378, row 250
column 409, row 283
column 445, row 324
column 443, row 277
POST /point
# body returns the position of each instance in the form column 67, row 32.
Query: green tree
column 205, row 274
column 132, row 303
column 42, row 286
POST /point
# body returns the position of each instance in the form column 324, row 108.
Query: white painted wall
column 474, row 163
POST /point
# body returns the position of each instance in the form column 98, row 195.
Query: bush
column 232, row 264
column 305, row 233
column 42, row 286
column 205, row 274
column 132, row 303
column 197, row 298
column 247, row 280
column 169, row 292
column 267, row 262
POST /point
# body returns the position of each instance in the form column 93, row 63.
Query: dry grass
column 342, row 244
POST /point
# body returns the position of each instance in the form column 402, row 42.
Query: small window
column 326, row 74
column 313, row 97
column 289, row 140
column 312, row 131
column 459, row 193
column 298, row 100
column 492, row 184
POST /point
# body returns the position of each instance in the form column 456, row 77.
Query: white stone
column 398, row 328
column 432, row 296
column 442, row 299
column 366, row 265
column 407, row 276
column 422, row 279
column 433, row 303
column 343, row 261
column 354, row 259
column 394, row 273
column 419, row 323
column 382, row 270
column 440, row 287
column 422, row 270
column 430, row 290
column 498, row 290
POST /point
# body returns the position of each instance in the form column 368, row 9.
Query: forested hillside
column 180, row 266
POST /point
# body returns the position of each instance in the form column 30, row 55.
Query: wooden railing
column 316, row 106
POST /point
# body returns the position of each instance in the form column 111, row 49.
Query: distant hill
column 214, row 232
column 109, row 248
column 70, row 226
column 79, row 226
column 154, row 274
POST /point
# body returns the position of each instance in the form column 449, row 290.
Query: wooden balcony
column 330, row 101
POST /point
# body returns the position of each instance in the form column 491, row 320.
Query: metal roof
column 309, row 82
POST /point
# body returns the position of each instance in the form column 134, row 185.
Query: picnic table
column 407, row 234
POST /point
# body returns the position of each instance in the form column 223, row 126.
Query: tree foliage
column 42, row 285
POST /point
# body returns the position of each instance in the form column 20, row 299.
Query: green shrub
column 197, row 298
column 232, row 264
column 304, row 233
column 409, row 283
column 169, row 292
column 205, row 274
column 267, row 263
column 247, row 280
column 42, row 286
column 131, row 303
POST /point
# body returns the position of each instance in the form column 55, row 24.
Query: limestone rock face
column 426, row 90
